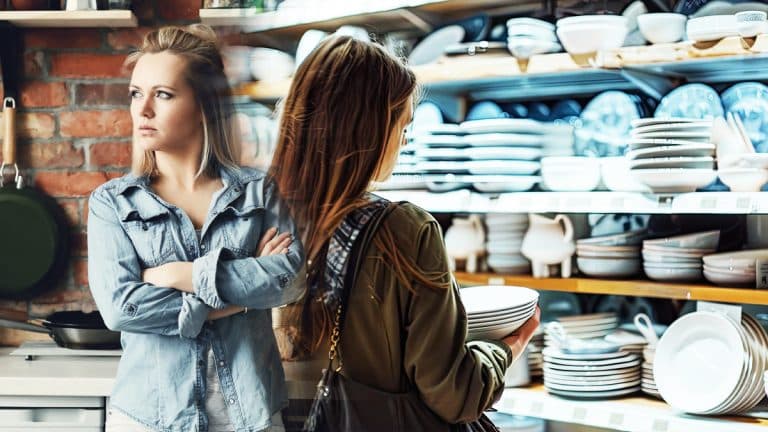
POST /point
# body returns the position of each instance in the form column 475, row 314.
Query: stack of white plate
column 535, row 357
column 627, row 341
column 678, row 259
column 590, row 326
column 734, row 268
column 610, row 256
column 591, row 376
column 494, row 312
column 672, row 154
column 505, row 237
column 648, row 384
column 707, row 363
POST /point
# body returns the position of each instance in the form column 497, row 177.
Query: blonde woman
column 342, row 127
column 184, row 255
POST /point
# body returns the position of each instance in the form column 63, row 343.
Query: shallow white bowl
column 673, row 274
column 743, row 179
column 701, row 240
column 269, row 64
column 570, row 179
column 589, row 38
column 662, row 27
column 593, row 19
column 611, row 267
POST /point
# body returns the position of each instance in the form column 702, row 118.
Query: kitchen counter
column 56, row 376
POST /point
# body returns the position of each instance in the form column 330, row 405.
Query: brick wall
column 74, row 130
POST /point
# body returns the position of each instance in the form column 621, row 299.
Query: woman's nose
column 146, row 109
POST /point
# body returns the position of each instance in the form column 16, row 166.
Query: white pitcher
column 465, row 240
column 547, row 242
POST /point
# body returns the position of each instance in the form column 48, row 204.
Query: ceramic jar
column 465, row 240
column 548, row 242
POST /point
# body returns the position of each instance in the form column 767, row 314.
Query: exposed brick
column 14, row 305
column 124, row 39
column 80, row 270
column 84, row 213
column 51, row 155
column 92, row 124
column 144, row 9
column 79, row 65
column 111, row 154
column 58, row 38
column 62, row 299
column 71, row 184
column 79, row 244
column 33, row 125
column 71, row 209
column 34, row 64
column 101, row 94
column 37, row 94
column 176, row 10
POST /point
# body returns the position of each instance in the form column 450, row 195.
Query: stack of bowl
column 648, row 384
column 615, row 255
column 590, row 326
column 676, row 259
column 570, row 174
column 527, row 37
column 734, row 268
column 495, row 311
column 535, row 357
column 505, row 237
column 590, row 33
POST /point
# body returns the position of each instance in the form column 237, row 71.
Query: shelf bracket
column 653, row 84
column 413, row 18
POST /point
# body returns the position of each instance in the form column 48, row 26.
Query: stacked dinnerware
column 570, row 173
column 535, row 357
column 648, row 384
column 678, row 259
column 610, row 256
column 590, row 326
column 591, row 375
column 505, row 238
column 494, row 312
column 734, row 268
column 527, row 37
column 627, row 341
column 558, row 139
column 591, row 33
column 672, row 154
column 708, row 363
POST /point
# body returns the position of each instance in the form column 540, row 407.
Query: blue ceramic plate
column 749, row 101
column 606, row 124
column 696, row 101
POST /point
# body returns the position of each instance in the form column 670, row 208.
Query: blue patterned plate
column 697, row 101
column 749, row 101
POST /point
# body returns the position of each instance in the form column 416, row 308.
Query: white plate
column 630, row 238
column 438, row 141
column 728, row 278
column 503, row 153
column 631, row 368
column 506, row 125
column 643, row 122
column 590, row 388
column 691, row 150
column 556, row 353
column 740, row 259
column 673, row 162
column 491, row 298
column 503, row 167
column 594, row 395
column 432, row 47
column 632, row 374
column 642, row 143
column 673, row 274
column 503, row 140
column 674, row 180
column 503, row 313
column 444, row 129
column 592, row 318
column 612, row 363
column 671, row 135
column 699, row 361
column 689, row 127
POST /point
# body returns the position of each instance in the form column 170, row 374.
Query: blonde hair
column 204, row 73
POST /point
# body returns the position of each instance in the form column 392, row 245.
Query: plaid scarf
column 339, row 247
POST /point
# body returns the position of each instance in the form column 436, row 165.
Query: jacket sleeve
column 265, row 282
column 124, row 300
column 438, row 359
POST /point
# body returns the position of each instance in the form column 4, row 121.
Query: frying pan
column 75, row 330
column 33, row 229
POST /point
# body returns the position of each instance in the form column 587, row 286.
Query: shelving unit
column 639, row 414
column 71, row 19
column 466, row 201
column 634, row 287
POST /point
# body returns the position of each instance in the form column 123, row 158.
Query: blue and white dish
column 426, row 115
column 697, row 101
column 485, row 110
column 606, row 123
column 749, row 101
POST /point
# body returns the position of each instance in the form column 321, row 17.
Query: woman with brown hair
column 341, row 129
column 184, row 259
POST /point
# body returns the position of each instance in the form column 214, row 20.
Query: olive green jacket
column 397, row 340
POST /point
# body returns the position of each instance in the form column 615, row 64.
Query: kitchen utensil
column 72, row 329
column 645, row 327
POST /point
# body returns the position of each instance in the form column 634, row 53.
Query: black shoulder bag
column 344, row 405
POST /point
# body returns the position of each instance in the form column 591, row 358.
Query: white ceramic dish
column 502, row 167
column 637, row 144
column 533, row 31
column 506, row 125
column 743, row 179
column 503, row 140
column 438, row 141
column 610, row 267
column 692, row 135
column 432, row 47
column 649, row 121
column 700, row 126
column 685, row 150
column 592, row 19
column 267, row 64
column 711, row 27
column 589, row 38
column 662, row 27
column 594, row 395
column 699, row 361
column 727, row 279
column 607, row 254
column 701, row 240
column 675, row 180
column 530, row 21
column 623, row 239
column 671, row 274
column 673, row 162
column 739, row 259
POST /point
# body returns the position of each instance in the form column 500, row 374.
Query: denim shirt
column 165, row 333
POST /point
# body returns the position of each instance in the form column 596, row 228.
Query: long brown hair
column 204, row 73
column 338, row 118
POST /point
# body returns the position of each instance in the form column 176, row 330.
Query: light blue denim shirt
column 165, row 333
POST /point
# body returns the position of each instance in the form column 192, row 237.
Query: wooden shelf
column 636, row 288
column 91, row 18
column 637, row 413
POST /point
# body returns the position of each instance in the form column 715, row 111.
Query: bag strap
column 356, row 259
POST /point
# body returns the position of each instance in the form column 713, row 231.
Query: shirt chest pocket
column 242, row 228
column 152, row 236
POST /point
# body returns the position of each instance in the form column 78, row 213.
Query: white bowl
column 600, row 20
column 662, row 27
column 589, row 38
column 616, row 175
column 532, row 30
column 237, row 62
column 571, row 179
column 530, row 21
column 743, row 179
column 675, row 179
column 740, row 259
column 673, row 274
column 713, row 27
column 701, row 240
column 612, row 267
column 269, row 64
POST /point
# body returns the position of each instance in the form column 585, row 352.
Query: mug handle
column 566, row 221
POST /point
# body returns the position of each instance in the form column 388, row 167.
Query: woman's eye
column 134, row 93
column 163, row 95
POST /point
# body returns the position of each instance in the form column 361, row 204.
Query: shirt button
column 202, row 247
column 231, row 401
column 221, row 363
